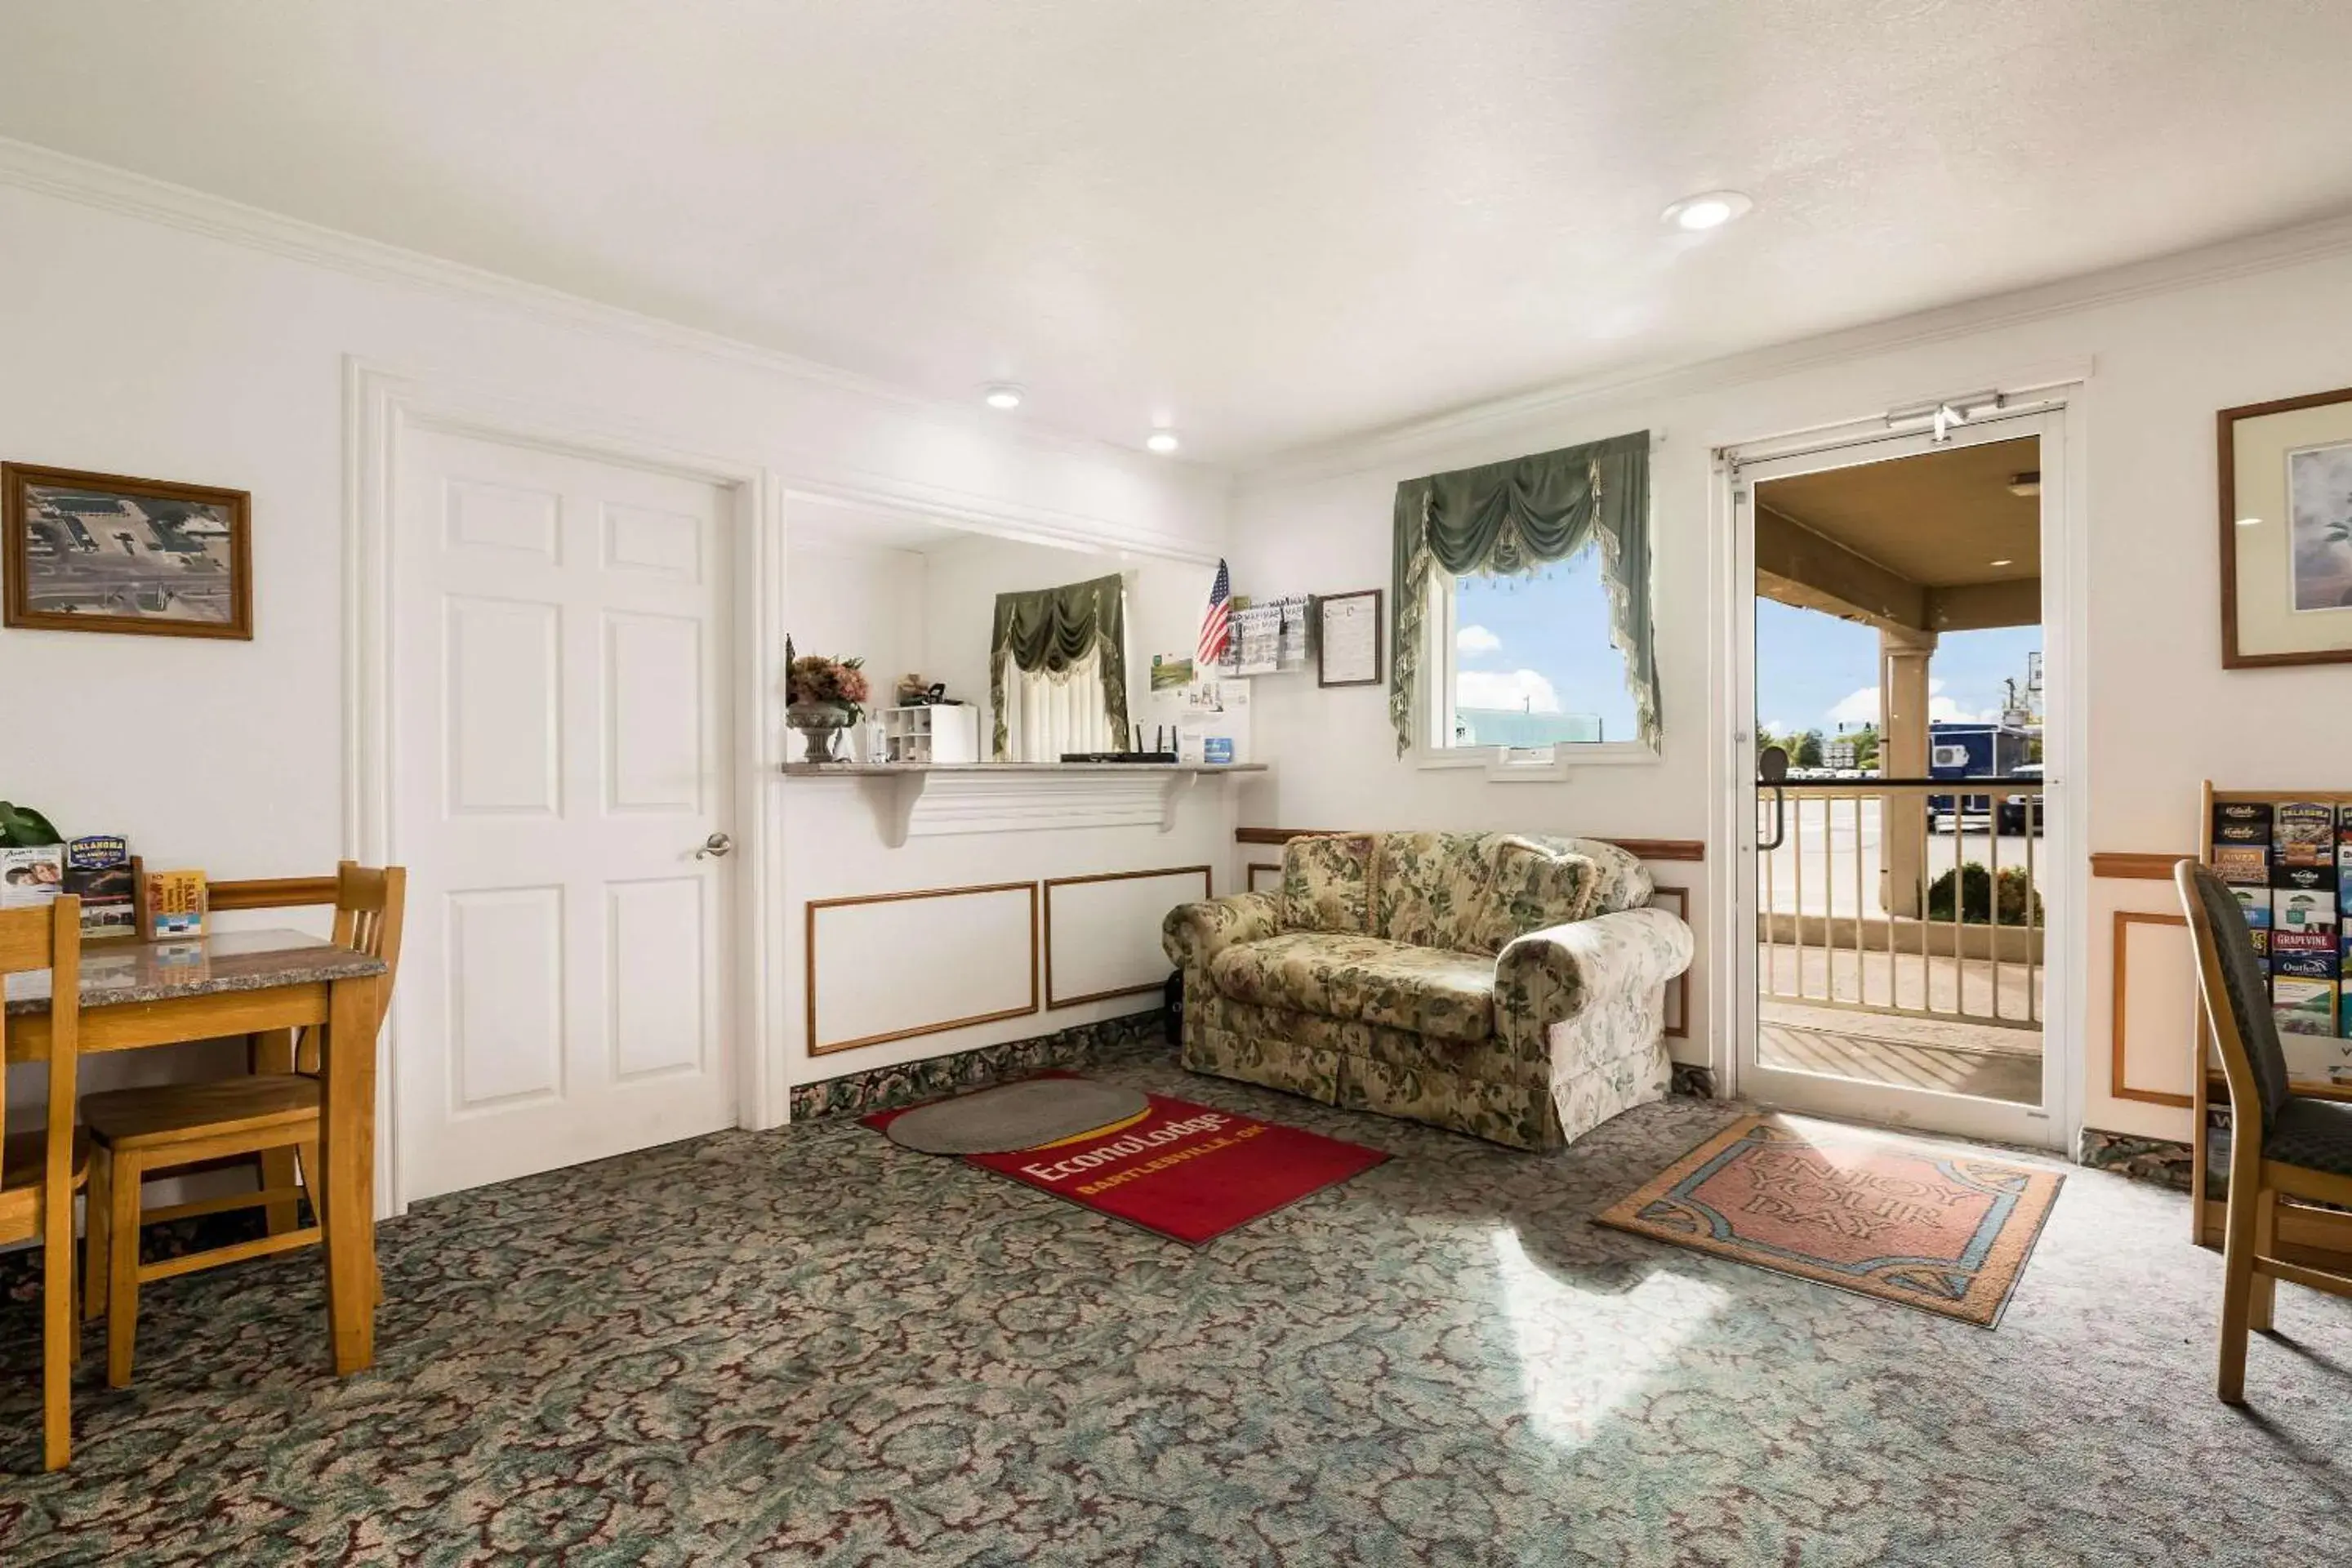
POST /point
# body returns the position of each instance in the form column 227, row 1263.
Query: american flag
column 1216, row 625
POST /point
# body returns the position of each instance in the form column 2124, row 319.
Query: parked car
column 2021, row 814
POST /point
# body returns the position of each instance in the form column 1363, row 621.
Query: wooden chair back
column 2236, row 999
column 32, row 940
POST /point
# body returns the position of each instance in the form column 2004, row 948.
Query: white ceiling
column 1268, row 222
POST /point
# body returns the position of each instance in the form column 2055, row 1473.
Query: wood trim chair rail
column 1641, row 849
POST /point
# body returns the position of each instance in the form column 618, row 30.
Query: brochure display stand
column 2287, row 855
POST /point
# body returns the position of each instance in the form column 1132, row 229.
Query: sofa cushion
column 1429, row 890
column 1535, row 885
column 1429, row 990
column 1327, row 884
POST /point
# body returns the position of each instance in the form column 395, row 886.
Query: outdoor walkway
column 1985, row 1060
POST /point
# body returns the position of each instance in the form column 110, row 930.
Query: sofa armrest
column 1551, row 976
column 1195, row 933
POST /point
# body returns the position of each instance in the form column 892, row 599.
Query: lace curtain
column 1057, row 670
column 1505, row 518
column 1048, row 712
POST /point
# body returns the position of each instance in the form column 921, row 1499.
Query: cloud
column 1516, row 690
column 1944, row 710
column 1862, row 708
column 1475, row 640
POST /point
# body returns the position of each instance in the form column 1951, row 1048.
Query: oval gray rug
column 1015, row 1116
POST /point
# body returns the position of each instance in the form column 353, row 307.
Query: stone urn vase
column 820, row 725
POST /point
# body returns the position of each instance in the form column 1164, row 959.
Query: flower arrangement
column 815, row 681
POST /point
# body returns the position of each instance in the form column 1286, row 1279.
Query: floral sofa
column 1507, row 986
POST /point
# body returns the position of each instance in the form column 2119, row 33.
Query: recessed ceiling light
column 2004, row 563
column 1000, row 394
column 2250, row 523
column 1162, row 441
column 1708, row 210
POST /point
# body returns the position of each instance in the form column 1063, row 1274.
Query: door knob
column 716, row 844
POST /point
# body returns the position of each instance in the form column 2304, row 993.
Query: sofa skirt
column 1479, row 1090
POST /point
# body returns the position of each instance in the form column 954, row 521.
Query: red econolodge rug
column 1941, row 1229
column 1190, row 1172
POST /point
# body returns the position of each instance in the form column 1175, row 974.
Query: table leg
column 273, row 1053
column 347, row 1153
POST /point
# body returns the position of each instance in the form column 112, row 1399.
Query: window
column 1524, row 663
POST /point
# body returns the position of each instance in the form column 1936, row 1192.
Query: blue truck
column 1983, row 751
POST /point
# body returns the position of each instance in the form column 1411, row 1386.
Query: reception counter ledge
column 931, row 798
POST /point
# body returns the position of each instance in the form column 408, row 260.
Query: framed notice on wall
column 2286, row 532
column 1347, row 641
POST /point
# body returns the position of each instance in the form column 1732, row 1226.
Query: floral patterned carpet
column 813, row 1346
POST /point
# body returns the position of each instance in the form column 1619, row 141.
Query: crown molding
column 1386, row 447
column 47, row 172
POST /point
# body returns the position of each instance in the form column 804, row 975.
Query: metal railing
column 1834, row 929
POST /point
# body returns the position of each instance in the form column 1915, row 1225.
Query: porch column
column 1903, row 657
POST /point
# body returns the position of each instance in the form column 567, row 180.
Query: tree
column 1807, row 751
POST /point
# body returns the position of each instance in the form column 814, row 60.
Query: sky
column 1816, row 672
column 1543, row 646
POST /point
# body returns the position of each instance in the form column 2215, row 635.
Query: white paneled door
column 561, row 754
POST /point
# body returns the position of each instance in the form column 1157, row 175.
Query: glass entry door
column 1896, row 895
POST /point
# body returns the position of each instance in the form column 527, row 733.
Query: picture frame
column 1344, row 655
column 85, row 552
column 2286, row 470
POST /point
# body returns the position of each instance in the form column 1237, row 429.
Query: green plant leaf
column 23, row 827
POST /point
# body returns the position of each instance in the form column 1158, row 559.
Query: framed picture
column 1347, row 641
column 2286, row 532
column 100, row 552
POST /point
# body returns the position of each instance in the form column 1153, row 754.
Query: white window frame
column 1433, row 715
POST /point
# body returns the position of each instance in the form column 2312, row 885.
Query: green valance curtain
column 1505, row 518
column 1050, row 629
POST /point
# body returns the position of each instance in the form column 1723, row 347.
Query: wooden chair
column 2282, row 1145
column 39, row 1172
column 139, row 1134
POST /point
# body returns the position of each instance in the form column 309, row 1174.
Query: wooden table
column 136, row 994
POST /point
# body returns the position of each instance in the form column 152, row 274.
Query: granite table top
column 117, row 972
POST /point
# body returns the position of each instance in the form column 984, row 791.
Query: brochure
column 2303, row 1006
column 31, row 875
column 2302, row 909
column 2305, row 832
column 2237, row 815
column 2308, row 965
column 175, row 904
column 2243, row 865
column 2286, row 942
column 99, row 869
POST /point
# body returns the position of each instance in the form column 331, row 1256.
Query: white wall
column 854, row 601
column 141, row 349
column 2162, row 713
column 156, row 333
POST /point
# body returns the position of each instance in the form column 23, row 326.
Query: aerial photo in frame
column 105, row 554
column 2319, row 494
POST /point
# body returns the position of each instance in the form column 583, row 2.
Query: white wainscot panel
column 665, row 543
column 1102, row 933
column 2160, row 1007
column 652, row 712
column 504, row 706
column 888, row 968
column 506, row 995
column 655, row 946
column 504, row 518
